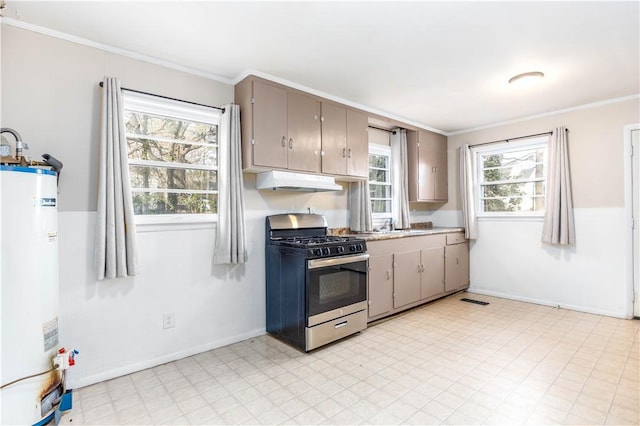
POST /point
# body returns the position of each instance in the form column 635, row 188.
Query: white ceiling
column 441, row 64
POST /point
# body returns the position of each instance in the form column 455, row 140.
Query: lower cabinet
column 456, row 265
column 432, row 283
column 405, row 272
column 406, row 278
column 380, row 284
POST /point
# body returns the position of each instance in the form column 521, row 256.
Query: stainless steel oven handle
column 334, row 261
column 341, row 324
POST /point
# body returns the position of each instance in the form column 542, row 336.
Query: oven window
column 334, row 287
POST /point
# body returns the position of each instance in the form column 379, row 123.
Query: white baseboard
column 547, row 303
column 133, row 368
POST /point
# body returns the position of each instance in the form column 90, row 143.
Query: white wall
column 51, row 96
column 508, row 258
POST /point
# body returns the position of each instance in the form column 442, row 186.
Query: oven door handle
column 334, row 261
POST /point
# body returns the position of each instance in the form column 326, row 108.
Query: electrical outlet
column 168, row 320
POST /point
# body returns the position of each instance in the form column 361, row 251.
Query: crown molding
column 111, row 49
column 547, row 114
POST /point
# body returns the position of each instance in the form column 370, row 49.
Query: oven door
column 336, row 286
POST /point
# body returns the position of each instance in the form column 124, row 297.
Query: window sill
column 162, row 223
column 511, row 218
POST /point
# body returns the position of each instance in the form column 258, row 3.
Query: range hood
column 287, row 181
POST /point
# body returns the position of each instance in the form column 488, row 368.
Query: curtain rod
column 101, row 84
column 513, row 139
column 384, row 130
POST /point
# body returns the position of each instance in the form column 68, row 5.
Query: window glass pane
column 513, row 180
column 379, row 191
column 511, row 166
column 509, row 189
column 172, row 178
column 513, row 204
column 149, row 149
column 171, row 203
column 168, row 140
column 379, row 161
column 155, row 137
column 164, row 127
column 380, row 206
column 378, row 175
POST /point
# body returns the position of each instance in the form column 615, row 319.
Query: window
column 173, row 158
column 511, row 178
column 380, row 182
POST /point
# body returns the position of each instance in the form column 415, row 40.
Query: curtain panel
column 468, row 192
column 559, row 226
column 400, row 179
column 231, row 239
column 115, row 247
column 360, row 219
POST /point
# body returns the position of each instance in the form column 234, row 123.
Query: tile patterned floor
column 448, row 362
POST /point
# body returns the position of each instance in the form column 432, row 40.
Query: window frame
column 173, row 109
column 509, row 147
column 380, row 218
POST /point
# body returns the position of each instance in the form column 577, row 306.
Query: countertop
column 387, row 235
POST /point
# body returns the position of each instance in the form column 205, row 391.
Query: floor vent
column 477, row 302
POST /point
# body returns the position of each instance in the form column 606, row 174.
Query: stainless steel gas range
column 316, row 283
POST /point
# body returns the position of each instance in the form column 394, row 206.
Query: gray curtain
column 231, row 239
column 559, row 227
column 400, row 179
column 115, row 249
column 360, row 207
column 467, row 181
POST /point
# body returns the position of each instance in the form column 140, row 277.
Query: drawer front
column 456, row 238
column 336, row 329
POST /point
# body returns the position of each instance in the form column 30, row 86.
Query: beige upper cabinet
column 345, row 146
column 427, row 152
column 283, row 128
column 357, row 144
column 334, row 139
column 268, row 142
column 304, row 137
column 280, row 128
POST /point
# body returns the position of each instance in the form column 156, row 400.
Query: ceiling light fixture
column 526, row 79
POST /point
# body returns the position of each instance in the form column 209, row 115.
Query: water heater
column 29, row 296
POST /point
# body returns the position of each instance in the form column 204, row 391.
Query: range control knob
column 352, row 247
column 326, row 251
column 317, row 252
column 359, row 247
column 340, row 249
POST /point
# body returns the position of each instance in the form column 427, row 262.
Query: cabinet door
column 456, row 263
column 269, row 126
column 406, row 278
column 357, row 144
column 432, row 280
column 441, row 190
column 304, row 141
column 426, row 167
column 334, row 139
column 380, row 284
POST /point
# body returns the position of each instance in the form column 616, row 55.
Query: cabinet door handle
column 290, row 143
column 457, row 260
column 344, row 152
column 284, row 141
column 388, row 275
column 349, row 156
column 422, row 267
